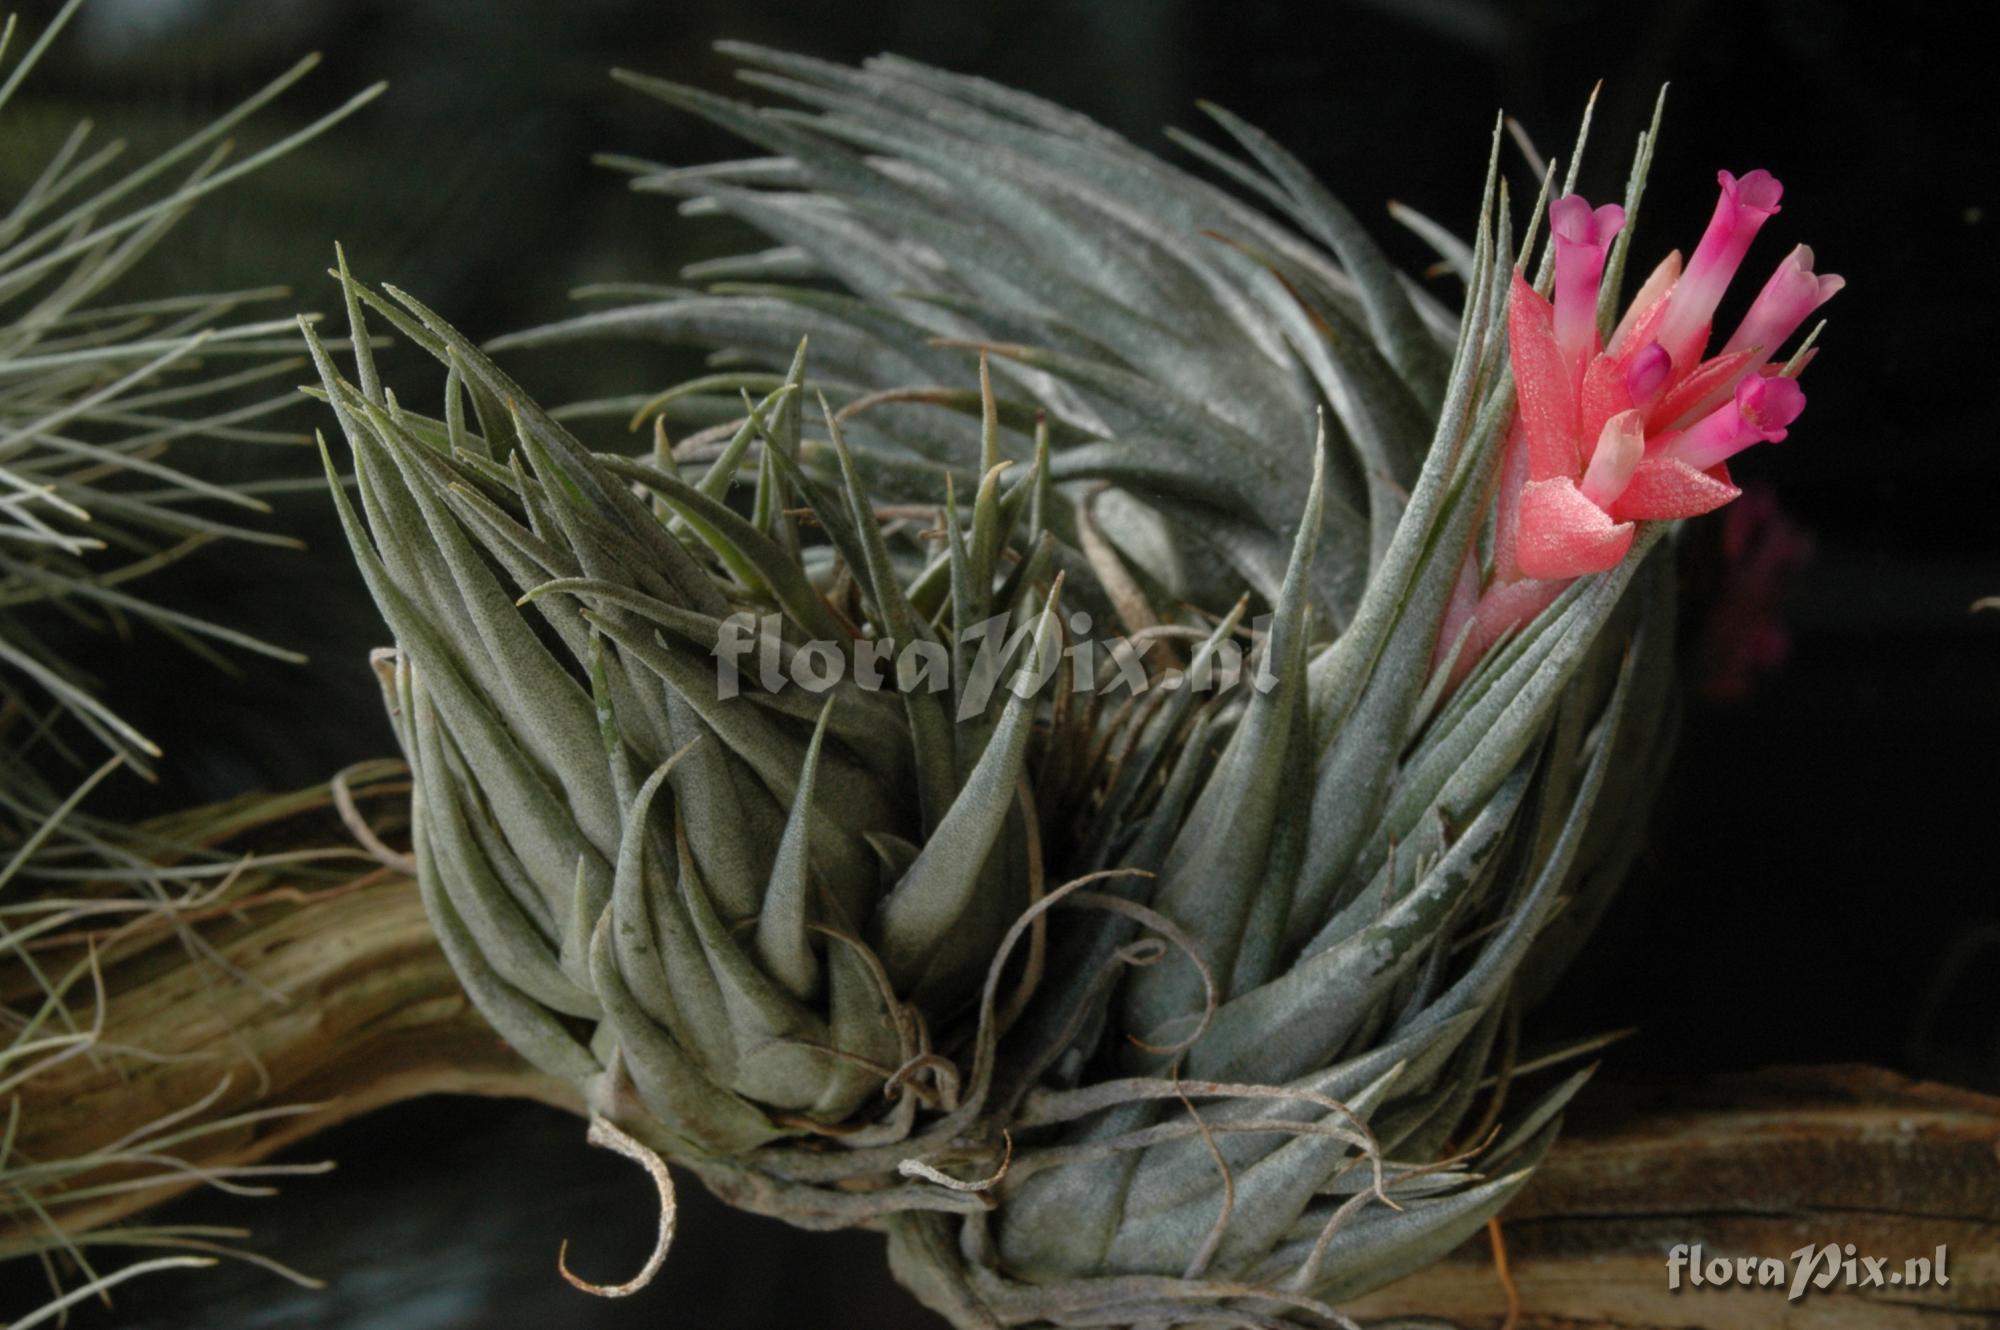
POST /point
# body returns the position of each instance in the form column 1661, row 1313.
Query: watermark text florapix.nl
column 1811, row 1268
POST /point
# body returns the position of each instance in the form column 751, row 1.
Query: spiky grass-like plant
column 94, row 393
column 109, row 904
column 1114, row 998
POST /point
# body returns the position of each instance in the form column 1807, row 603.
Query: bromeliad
column 1636, row 427
column 1116, row 1015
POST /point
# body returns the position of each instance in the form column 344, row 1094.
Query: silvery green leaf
column 916, row 921
column 1379, row 1245
column 782, row 940
column 1212, row 878
column 1390, row 314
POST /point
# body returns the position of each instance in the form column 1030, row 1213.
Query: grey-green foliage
column 1147, row 310
column 739, row 894
column 95, row 392
column 79, row 899
column 1271, row 935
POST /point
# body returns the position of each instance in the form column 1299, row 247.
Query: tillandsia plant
column 1116, row 995
column 106, row 909
column 94, row 392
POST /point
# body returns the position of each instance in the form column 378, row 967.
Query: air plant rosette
column 1112, row 998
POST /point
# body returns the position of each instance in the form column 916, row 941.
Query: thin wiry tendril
column 603, row 1132
column 917, row 1168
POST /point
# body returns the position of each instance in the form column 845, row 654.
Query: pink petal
column 1542, row 385
column 1641, row 359
column 1507, row 505
column 1647, row 372
column 1791, row 295
column 1582, row 240
column 1564, row 535
column 1769, row 405
column 1604, row 395
column 1664, row 488
column 1504, row 607
column 1759, row 412
column 1744, row 206
column 1620, row 445
column 1649, row 302
column 1711, row 384
column 1458, row 612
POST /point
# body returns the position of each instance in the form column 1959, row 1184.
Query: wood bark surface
column 345, row 1003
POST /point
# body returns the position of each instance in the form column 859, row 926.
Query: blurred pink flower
column 1745, row 634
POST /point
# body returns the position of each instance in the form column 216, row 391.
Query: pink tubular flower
column 1641, row 429
column 1582, row 239
column 1745, row 206
column 1792, row 294
column 1745, row 634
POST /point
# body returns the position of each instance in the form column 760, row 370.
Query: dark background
column 1819, row 883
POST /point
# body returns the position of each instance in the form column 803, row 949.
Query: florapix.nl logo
column 998, row 652
column 1814, row 1267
